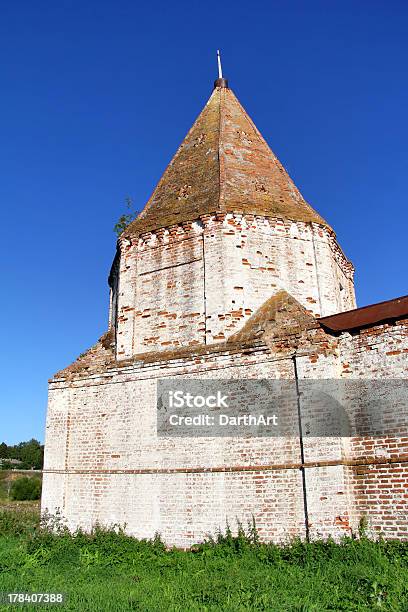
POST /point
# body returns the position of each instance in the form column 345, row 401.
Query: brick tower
column 224, row 230
column 227, row 273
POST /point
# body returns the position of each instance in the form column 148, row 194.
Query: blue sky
column 95, row 98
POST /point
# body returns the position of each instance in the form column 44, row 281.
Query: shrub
column 18, row 521
column 26, row 488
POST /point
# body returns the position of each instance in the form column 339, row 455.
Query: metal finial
column 220, row 82
column 219, row 64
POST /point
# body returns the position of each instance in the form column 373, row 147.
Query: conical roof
column 223, row 165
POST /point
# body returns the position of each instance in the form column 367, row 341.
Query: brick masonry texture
column 105, row 463
column 223, row 276
column 200, row 281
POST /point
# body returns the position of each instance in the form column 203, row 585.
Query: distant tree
column 30, row 453
column 25, row 488
column 125, row 219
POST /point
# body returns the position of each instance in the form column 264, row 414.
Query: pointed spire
column 223, row 165
column 220, row 82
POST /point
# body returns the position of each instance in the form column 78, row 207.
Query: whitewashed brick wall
column 104, row 462
column 199, row 283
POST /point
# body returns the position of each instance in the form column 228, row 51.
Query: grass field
column 110, row 571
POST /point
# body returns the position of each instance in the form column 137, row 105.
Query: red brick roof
column 367, row 315
column 223, row 165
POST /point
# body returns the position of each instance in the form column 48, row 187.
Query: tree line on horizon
column 27, row 455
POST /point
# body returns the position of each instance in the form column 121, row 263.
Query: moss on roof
column 223, row 165
column 279, row 315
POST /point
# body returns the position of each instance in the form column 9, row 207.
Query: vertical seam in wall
column 317, row 276
column 116, row 312
column 110, row 309
column 136, row 278
column 118, row 301
column 348, row 287
column 302, row 451
column 66, row 450
column 204, row 292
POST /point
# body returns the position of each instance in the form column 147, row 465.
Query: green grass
column 110, row 571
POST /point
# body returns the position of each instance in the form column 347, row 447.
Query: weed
column 105, row 569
